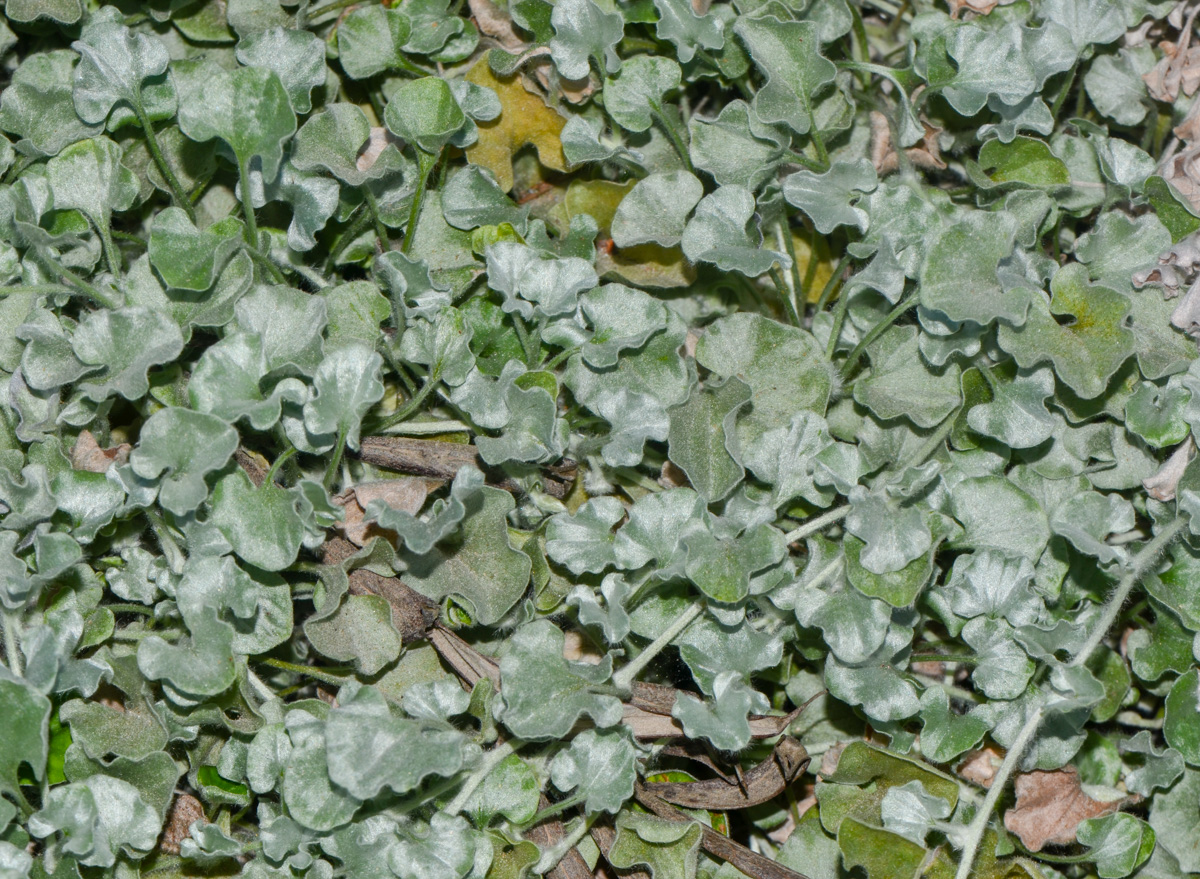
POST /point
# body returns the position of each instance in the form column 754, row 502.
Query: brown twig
column 749, row 862
column 764, row 782
column 442, row 460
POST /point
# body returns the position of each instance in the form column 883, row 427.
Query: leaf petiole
column 177, row 193
column 426, row 162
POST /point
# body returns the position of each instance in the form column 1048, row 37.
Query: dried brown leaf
column 1161, row 486
column 185, row 809
column 1183, row 172
column 497, row 24
column 87, row 454
column 980, row 766
column 927, row 154
column 407, row 494
column 1179, row 68
column 1050, row 806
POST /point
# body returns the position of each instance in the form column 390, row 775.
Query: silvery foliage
column 840, row 342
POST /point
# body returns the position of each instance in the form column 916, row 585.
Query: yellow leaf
column 523, row 120
column 821, row 272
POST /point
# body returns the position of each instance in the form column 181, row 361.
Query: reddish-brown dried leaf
column 407, row 493
column 1050, row 806
column 87, row 454
column 980, row 766
column 185, row 809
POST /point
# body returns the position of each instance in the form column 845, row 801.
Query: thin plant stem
column 12, row 650
column 875, row 332
column 1138, row 567
column 265, row 261
column 1061, row 97
column 493, row 758
column 812, row 526
column 247, row 207
column 336, row 461
column 39, row 289
column 814, row 132
column 336, row 6
column 810, row 164
column 1140, row 564
column 555, row 809
column 425, row 164
column 170, row 548
column 412, row 405
column 308, row 670
column 558, row 851
column 269, row 479
column 373, row 205
column 785, row 294
column 839, row 319
column 624, row 678
column 112, row 256
column 90, row 290
column 935, row 440
column 672, row 131
column 783, row 234
column 177, row 192
column 964, row 658
column 360, row 221
column 832, row 283
column 130, row 608
column 527, row 342
column 561, row 356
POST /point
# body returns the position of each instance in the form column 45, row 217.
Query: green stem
column 832, row 283
column 39, row 289
column 783, row 234
column 784, row 293
column 814, row 132
column 306, row 670
column 425, row 165
column 112, row 256
column 812, row 526
column 412, row 405
column 555, row 809
column 265, row 261
column 170, row 548
column 672, row 131
column 810, row 164
column 1061, row 97
column 336, row 461
column 269, row 479
column 490, row 761
column 132, row 239
column 373, row 205
column 1137, row 568
column 561, row 356
column 130, row 608
column 935, row 440
column 839, row 319
column 12, row 650
column 875, row 332
column 860, row 46
column 177, row 192
column 898, row 17
column 527, row 341
column 964, row 658
column 336, row 6
column 555, row 853
column 359, row 222
column 623, row 679
column 247, row 207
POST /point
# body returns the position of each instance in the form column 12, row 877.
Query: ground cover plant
column 649, row 438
